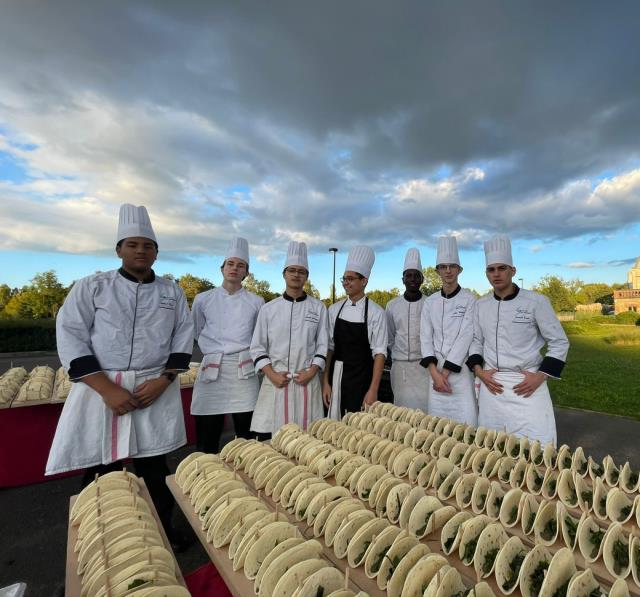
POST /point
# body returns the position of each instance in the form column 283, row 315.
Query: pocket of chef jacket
column 245, row 365
column 210, row 368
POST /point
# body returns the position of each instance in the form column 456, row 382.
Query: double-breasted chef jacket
column 446, row 332
column 409, row 381
column 224, row 325
column 291, row 335
column 509, row 335
column 131, row 331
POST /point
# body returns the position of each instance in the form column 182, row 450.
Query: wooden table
column 72, row 579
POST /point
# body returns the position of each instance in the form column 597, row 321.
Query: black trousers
column 153, row 470
column 209, row 430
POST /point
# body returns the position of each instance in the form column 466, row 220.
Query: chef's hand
column 441, row 381
column 530, row 383
column 149, row 391
column 486, row 377
column 326, row 394
column 303, row 377
column 370, row 397
column 277, row 378
column 119, row 400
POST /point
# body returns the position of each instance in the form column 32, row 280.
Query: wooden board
column 72, row 579
column 236, row 581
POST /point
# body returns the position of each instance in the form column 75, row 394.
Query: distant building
column 629, row 298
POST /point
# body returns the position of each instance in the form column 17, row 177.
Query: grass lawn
column 602, row 371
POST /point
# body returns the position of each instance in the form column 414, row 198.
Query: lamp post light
column 333, row 250
column 521, row 280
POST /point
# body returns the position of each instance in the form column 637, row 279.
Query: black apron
column 351, row 342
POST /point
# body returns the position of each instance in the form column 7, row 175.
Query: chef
column 357, row 341
column 124, row 335
column 224, row 319
column 289, row 346
column 409, row 381
column 446, row 332
column 511, row 327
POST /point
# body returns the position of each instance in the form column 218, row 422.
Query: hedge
column 24, row 335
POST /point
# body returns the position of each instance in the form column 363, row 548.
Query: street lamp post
column 521, row 280
column 333, row 250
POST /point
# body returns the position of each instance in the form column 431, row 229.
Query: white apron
column 461, row 405
column 292, row 404
column 410, row 383
column 89, row 434
column 233, row 388
column 527, row 417
column 336, row 385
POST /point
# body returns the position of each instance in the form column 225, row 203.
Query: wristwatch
column 170, row 375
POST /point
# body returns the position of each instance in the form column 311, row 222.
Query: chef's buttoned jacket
column 509, row 334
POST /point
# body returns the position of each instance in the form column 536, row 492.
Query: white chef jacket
column 112, row 322
column 403, row 328
column 509, row 334
column 290, row 334
column 224, row 322
column 376, row 322
column 446, row 328
column 131, row 331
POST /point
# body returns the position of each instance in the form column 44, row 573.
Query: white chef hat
column 447, row 250
column 498, row 250
column 412, row 260
column 134, row 221
column 297, row 255
column 360, row 260
column 239, row 248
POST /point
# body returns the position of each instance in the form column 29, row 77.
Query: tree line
column 43, row 297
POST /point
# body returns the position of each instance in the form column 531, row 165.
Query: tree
column 311, row 290
column 6, row 292
column 594, row 293
column 260, row 287
column 40, row 300
column 192, row 285
column 382, row 297
column 557, row 291
column 432, row 282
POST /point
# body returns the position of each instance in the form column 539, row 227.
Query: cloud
column 581, row 265
column 475, row 121
column 622, row 262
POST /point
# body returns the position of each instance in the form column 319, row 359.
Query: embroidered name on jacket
column 167, row 302
column 522, row 315
column 459, row 311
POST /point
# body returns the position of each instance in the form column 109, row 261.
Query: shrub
column 627, row 318
column 23, row 335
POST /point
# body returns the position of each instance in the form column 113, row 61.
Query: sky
column 333, row 123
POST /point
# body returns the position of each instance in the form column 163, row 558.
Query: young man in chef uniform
column 224, row 319
column 124, row 335
column 357, row 341
column 446, row 332
column 409, row 381
column 289, row 346
column 511, row 326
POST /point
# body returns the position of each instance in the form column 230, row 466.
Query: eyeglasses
column 497, row 268
column 293, row 271
column 348, row 279
column 446, row 266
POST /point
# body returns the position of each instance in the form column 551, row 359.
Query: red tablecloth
column 206, row 582
column 26, row 434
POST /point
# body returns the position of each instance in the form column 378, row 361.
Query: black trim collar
column 286, row 297
column 509, row 297
column 448, row 296
column 125, row 274
column 409, row 298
